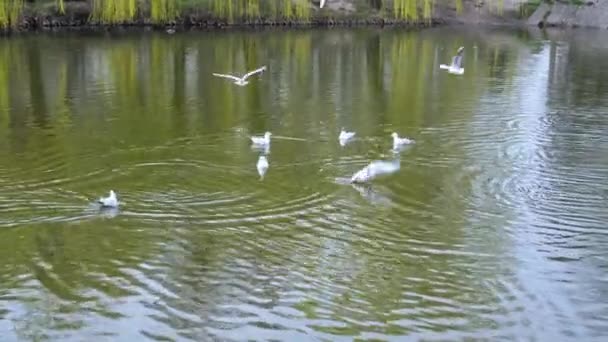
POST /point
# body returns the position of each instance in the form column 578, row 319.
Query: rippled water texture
column 493, row 226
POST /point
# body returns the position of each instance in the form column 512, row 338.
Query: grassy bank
column 35, row 13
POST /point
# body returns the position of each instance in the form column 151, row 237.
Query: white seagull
column 345, row 136
column 363, row 176
column 456, row 66
column 262, row 166
column 110, row 201
column 400, row 142
column 262, row 141
column 242, row 81
column 375, row 169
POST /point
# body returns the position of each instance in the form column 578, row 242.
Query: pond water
column 495, row 225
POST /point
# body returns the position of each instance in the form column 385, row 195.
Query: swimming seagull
column 242, row 81
column 375, row 169
column 262, row 141
column 262, row 166
column 400, row 142
column 456, row 66
column 110, row 201
column 345, row 136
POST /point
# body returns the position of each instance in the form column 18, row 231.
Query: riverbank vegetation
column 228, row 11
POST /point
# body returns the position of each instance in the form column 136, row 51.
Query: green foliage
column 10, row 10
column 114, row 11
column 162, row 11
column 528, row 7
column 458, row 6
column 60, row 7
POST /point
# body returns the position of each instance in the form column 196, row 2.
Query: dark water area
column 494, row 227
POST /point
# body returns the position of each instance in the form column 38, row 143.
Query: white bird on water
column 242, row 81
column 400, row 142
column 262, row 141
column 375, row 169
column 345, row 136
column 110, row 201
column 456, row 66
column 262, row 166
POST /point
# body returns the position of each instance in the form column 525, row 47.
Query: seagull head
column 267, row 135
column 395, row 135
column 460, row 49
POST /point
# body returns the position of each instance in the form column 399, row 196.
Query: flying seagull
column 242, row 81
column 456, row 66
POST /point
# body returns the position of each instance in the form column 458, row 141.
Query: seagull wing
column 454, row 59
column 322, row 3
column 256, row 71
column 227, row 76
column 457, row 61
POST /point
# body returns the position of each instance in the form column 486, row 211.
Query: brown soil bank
column 591, row 13
column 336, row 12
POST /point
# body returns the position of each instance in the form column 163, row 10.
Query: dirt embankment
column 592, row 13
column 335, row 12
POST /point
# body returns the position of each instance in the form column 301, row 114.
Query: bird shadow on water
column 108, row 213
column 373, row 194
column 96, row 210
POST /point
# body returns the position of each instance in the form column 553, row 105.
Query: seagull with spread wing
column 456, row 66
column 242, row 81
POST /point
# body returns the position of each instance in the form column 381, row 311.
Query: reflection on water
column 493, row 226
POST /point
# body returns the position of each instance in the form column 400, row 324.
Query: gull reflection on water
column 374, row 196
column 108, row 212
column 265, row 149
column 262, row 166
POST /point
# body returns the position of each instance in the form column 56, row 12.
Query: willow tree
column 10, row 10
column 60, row 6
column 114, row 11
column 163, row 10
column 408, row 9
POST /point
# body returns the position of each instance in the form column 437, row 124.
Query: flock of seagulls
column 368, row 173
column 364, row 175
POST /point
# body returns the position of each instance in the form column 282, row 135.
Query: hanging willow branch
column 10, row 11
